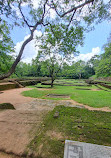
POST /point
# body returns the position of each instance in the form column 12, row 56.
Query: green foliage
column 5, row 62
column 67, row 39
column 79, row 69
column 104, row 66
column 6, row 44
column 23, row 70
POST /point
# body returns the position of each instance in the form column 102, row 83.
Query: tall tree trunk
column 18, row 57
column 52, row 81
column 79, row 76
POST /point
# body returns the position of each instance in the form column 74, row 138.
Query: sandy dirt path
column 14, row 97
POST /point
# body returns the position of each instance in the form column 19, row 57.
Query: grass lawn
column 72, row 124
column 97, row 99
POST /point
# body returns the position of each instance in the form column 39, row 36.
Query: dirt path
column 13, row 96
column 106, row 109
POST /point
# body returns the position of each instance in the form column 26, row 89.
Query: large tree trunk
column 18, row 58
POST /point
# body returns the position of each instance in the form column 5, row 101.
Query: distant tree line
column 99, row 65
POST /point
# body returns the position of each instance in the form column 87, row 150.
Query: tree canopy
column 74, row 15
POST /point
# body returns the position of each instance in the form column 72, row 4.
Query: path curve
column 14, row 96
column 105, row 109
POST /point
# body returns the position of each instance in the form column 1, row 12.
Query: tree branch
column 19, row 6
column 72, row 9
column 44, row 9
column 71, row 19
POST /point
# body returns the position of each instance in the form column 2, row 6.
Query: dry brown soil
column 15, row 125
column 13, row 96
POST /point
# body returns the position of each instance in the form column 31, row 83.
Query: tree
column 51, row 68
column 67, row 12
column 23, row 70
column 6, row 48
column 79, row 68
column 51, row 61
column 5, row 62
column 104, row 67
column 94, row 61
column 36, row 67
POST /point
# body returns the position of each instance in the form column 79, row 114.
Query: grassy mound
column 6, row 106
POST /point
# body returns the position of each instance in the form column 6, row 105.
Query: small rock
column 56, row 115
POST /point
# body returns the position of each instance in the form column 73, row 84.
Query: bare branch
column 19, row 6
column 44, row 9
column 71, row 19
column 72, row 9
column 46, row 24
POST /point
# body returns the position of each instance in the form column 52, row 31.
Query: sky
column 93, row 43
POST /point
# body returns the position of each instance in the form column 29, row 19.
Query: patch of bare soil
column 15, row 127
column 44, row 89
column 54, row 134
column 95, row 89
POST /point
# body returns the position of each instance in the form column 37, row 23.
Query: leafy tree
column 6, row 48
column 23, row 70
column 94, row 61
column 70, row 13
column 5, row 62
column 79, row 68
column 36, row 67
column 88, row 71
column 51, row 68
column 104, row 66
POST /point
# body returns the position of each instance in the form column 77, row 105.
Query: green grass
column 96, row 99
column 109, row 84
column 92, row 98
column 104, row 88
column 72, row 124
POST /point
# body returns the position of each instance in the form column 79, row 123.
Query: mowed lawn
column 83, row 94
